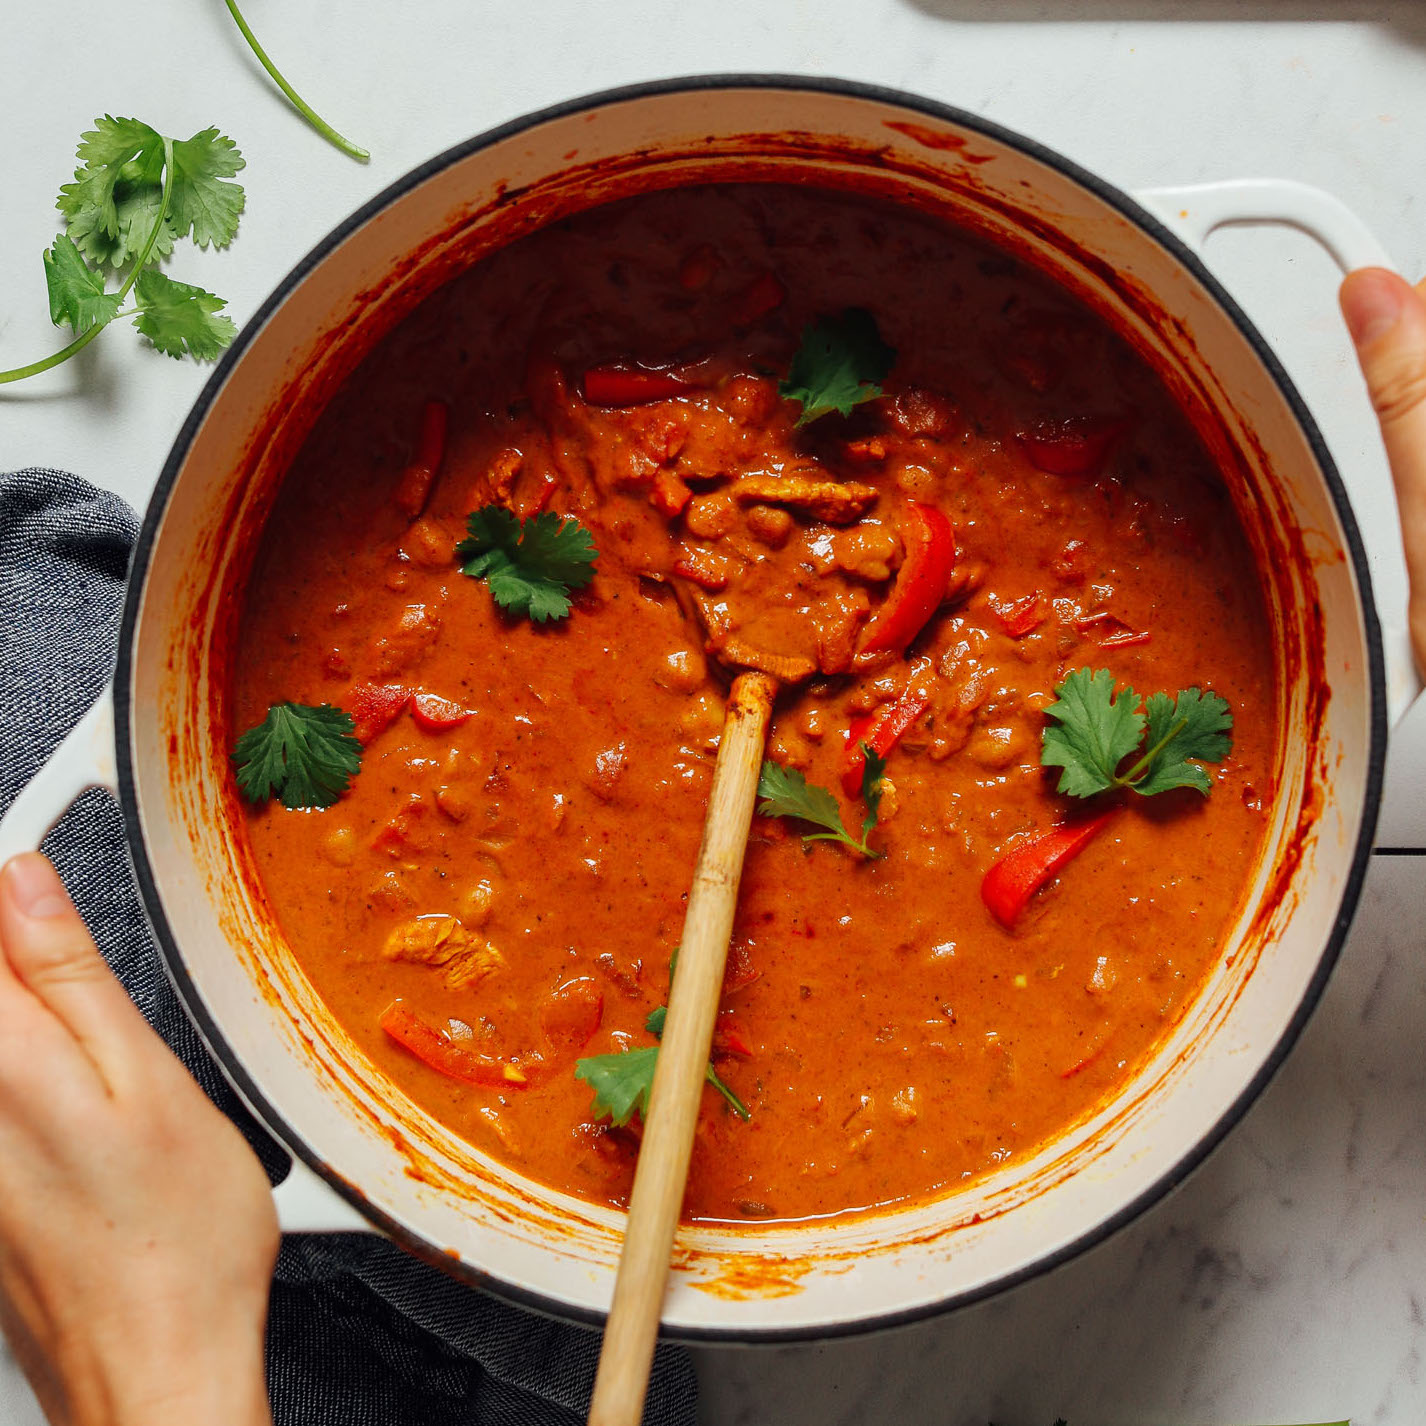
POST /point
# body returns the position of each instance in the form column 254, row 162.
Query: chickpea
column 702, row 724
column 916, row 481
column 905, row 1105
column 339, row 846
column 428, row 545
column 812, row 724
column 998, row 747
column 710, row 517
column 682, row 671
column 476, row 904
column 769, row 525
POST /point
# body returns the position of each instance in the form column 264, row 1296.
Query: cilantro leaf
column 838, row 365
column 181, row 320
column 654, row 1025
column 1094, row 732
column 119, row 159
column 141, row 212
column 76, row 291
column 204, row 205
column 307, row 756
column 530, row 565
column 621, row 1082
column 784, row 792
column 134, row 194
column 873, row 770
column 1195, row 725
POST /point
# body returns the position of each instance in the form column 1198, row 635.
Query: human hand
column 1387, row 319
column 137, row 1232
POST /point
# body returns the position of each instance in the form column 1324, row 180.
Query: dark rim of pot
column 1146, row 222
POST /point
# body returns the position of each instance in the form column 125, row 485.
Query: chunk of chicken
column 836, row 502
column 442, row 941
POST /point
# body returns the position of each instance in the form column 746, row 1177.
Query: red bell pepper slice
column 573, row 1013
column 434, row 715
column 920, row 582
column 1076, row 446
column 728, row 1039
column 417, row 479
column 1018, row 875
column 622, row 385
column 880, row 730
column 375, row 706
column 1021, row 616
column 449, row 1057
column 765, row 295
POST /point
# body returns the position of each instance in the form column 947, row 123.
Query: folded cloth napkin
column 359, row 1334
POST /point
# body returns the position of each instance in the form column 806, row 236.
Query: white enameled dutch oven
column 367, row 1158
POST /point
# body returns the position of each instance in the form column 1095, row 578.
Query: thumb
column 46, row 946
column 1387, row 319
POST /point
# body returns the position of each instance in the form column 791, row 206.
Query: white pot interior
column 461, row 1207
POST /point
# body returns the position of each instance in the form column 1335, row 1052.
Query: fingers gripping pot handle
column 85, row 759
column 1196, row 211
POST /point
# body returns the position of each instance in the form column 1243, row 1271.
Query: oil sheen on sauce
column 891, row 1040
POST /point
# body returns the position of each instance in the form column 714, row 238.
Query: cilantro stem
column 863, row 846
column 317, row 122
column 737, row 1105
column 1140, row 767
column 142, row 261
column 19, row 373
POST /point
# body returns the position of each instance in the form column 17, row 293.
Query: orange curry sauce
column 889, row 1037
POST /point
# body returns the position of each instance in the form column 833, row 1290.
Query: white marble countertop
column 1286, row 1281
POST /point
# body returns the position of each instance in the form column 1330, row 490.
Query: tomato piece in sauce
column 1076, row 446
column 1020, row 616
column 435, row 715
column 375, row 706
column 573, row 1013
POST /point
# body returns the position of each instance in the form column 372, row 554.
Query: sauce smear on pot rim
column 499, row 892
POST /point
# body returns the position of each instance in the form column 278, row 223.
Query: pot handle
column 306, row 1203
column 83, row 760
column 1193, row 213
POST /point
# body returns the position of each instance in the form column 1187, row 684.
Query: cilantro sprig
column 530, row 565
column 304, row 755
column 623, row 1081
column 317, row 122
column 135, row 194
column 838, row 365
column 1095, row 729
column 785, row 792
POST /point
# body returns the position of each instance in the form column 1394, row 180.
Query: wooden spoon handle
column 662, row 1170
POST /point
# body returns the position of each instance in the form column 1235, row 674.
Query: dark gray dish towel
column 359, row 1334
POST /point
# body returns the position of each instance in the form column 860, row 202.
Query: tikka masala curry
column 822, row 435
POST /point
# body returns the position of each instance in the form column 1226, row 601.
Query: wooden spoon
column 662, row 1170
